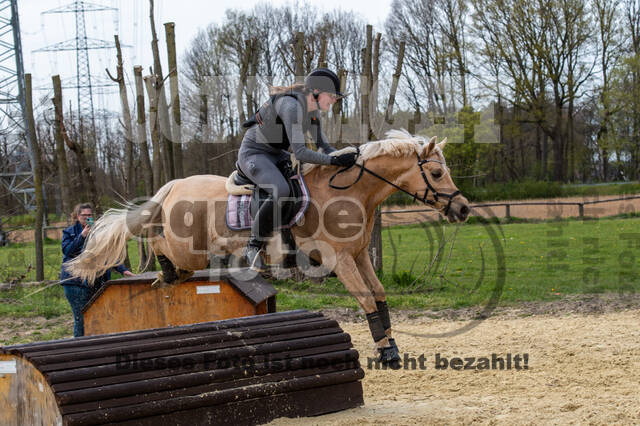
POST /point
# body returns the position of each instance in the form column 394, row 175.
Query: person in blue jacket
column 79, row 292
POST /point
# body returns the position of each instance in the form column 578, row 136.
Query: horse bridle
column 424, row 200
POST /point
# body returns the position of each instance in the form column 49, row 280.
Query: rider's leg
column 263, row 171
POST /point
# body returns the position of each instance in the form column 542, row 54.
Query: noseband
column 429, row 188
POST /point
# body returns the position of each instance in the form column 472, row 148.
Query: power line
column 81, row 45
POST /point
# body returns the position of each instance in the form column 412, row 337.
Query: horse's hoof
column 389, row 355
column 183, row 276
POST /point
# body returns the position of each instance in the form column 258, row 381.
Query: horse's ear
column 429, row 147
column 442, row 144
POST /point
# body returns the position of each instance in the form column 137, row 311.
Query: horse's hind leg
column 363, row 261
column 169, row 274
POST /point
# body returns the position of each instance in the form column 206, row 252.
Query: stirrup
column 160, row 282
column 253, row 256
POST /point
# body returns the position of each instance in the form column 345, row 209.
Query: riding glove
column 344, row 160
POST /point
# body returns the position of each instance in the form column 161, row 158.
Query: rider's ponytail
column 277, row 90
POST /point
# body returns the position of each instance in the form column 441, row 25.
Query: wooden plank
column 124, row 307
column 256, row 288
column 25, row 396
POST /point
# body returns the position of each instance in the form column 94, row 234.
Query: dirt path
column 525, row 212
column 582, row 368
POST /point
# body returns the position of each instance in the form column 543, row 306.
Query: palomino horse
column 188, row 216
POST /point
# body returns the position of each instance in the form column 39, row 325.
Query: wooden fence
column 475, row 208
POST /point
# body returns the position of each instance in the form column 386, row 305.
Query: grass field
column 538, row 261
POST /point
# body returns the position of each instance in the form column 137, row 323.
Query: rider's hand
column 86, row 231
column 344, row 160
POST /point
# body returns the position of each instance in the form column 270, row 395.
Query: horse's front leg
column 347, row 271
column 363, row 261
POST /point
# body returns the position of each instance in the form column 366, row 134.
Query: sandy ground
column 582, row 368
column 54, row 231
column 583, row 365
column 525, row 212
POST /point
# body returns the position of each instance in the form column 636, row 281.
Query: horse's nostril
column 464, row 211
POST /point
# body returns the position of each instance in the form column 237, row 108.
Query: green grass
column 542, row 261
column 34, row 301
column 17, row 261
column 28, row 219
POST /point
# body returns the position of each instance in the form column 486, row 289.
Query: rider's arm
column 290, row 113
column 321, row 138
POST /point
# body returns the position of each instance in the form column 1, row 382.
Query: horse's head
column 430, row 180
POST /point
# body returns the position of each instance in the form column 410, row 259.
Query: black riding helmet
column 323, row 80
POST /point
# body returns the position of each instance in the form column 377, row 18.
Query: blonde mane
column 398, row 143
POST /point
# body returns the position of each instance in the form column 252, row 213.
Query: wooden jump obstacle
column 238, row 371
column 209, row 295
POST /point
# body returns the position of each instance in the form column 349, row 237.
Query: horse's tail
column 107, row 242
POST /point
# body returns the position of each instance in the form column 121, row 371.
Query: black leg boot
column 388, row 354
column 289, row 244
column 383, row 310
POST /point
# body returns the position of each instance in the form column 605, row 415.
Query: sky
column 130, row 21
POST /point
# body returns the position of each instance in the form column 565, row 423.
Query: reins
column 415, row 196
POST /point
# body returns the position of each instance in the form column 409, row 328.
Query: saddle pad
column 238, row 215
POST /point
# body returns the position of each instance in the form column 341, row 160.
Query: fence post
column 581, row 210
column 508, row 211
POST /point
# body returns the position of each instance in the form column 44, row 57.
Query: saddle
column 245, row 198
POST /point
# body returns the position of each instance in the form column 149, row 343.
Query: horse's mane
column 398, row 143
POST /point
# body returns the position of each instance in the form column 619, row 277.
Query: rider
column 280, row 124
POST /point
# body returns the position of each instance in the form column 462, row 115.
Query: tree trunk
column 299, row 57
column 161, row 103
column 37, row 178
column 244, row 69
column 373, row 87
column 170, row 34
column 203, row 121
column 129, row 181
column 322, row 59
column 155, row 136
column 61, row 155
column 365, row 85
column 148, row 172
column 388, row 114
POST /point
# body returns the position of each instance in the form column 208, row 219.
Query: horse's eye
column 437, row 174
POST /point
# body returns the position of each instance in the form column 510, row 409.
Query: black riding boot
column 261, row 230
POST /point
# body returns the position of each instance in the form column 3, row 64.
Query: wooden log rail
column 241, row 371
